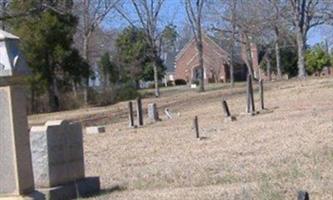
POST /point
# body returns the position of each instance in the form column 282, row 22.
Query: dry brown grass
column 268, row 156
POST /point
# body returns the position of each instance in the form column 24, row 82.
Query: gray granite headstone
column 57, row 153
column 152, row 112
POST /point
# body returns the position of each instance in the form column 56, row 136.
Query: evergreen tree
column 47, row 39
column 316, row 59
column 134, row 57
column 108, row 70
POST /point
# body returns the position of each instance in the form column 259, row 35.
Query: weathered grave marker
column 261, row 91
column 250, row 99
column 152, row 112
column 139, row 113
column 16, row 176
column 168, row 113
column 225, row 108
column 227, row 114
column 95, row 129
column 196, row 126
column 130, row 115
column 303, row 195
column 58, row 161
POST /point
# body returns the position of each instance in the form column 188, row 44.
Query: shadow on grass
column 107, row 191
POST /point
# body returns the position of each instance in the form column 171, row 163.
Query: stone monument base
column 83, row 188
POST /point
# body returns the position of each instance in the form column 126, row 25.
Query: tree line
column 65, row 42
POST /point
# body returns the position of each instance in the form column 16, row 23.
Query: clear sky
column 173, row 12
column 320, row 34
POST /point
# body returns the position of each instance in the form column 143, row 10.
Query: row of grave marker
column 250, row 106
column 153, row 113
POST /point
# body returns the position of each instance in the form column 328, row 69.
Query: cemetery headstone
column 153, row 112
column 196, row 127
column 16, row 176
column 302, row 195
column 95, row 129
column 58, row 161
column 130, row 115
column 227, row 114
column 139, row 112
column 168, row 113
column 225, row 108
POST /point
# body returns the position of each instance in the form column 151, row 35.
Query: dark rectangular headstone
column 139, row 111
column 196, row 126
column 130, row 115
column 302, row 195
column 225, row 108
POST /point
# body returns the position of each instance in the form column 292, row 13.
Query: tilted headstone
column 196, row 127
column 225, row 108
column 16, row 177
column 153, row 112
column 168, row 113
column 227, row 114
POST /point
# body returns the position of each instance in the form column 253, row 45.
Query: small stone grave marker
column 153, row 112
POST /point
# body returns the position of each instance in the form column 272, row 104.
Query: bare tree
column 243, row 22
column 277, row 8
column 194, row 16
column 233, row 40
column 307, row 14
column 91, row 14
column 148, row 12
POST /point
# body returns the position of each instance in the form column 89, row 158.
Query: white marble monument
column 16, row 176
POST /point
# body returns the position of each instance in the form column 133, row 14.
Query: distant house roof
column 236, row 51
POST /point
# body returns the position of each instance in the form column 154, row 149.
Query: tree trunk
column 33, row 100
column 157, row 89
column 301, row 52
column 86, row 57
column 74, row 89
column 278, row 59
column 201, row 66
column 53, row 95
column 233, row 21
column 232, row 81
column 269, row 69
column 245, row 50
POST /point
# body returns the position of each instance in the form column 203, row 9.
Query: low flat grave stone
column 95, row 129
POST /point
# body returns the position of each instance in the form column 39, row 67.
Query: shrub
column 195, row 82
column 127, row 92
column 170, row 83
column 316, row 59
column 180, row 82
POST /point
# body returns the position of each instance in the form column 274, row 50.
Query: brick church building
column 216, row 59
